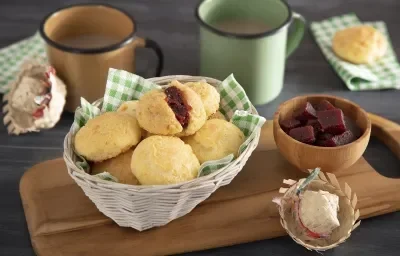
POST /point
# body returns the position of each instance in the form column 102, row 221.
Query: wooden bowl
column 329, row 159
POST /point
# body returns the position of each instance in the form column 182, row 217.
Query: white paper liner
column 19, row 102
column 347, row 214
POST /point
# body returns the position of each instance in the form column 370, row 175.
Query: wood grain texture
column 172, row 24
column 61, row 219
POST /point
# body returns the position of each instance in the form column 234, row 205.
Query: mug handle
column 148, row 43
column 295, row 37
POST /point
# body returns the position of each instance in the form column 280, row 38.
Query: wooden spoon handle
column 386, row 131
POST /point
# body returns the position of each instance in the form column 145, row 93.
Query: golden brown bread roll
column 107, row 136
column 155, row 116
column 359, row 44
column 128, row 107
column 146, row 134
column 176, row 110
column 119, row 167
column 217, row 115
column 162, row 160
column 208, row 94
column 215, row 140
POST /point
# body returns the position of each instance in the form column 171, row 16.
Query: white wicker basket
column 143, row 207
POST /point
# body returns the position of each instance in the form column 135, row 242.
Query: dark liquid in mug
column 242, row 26
column 89, row 41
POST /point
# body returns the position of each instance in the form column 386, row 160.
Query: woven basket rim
column 187, row 185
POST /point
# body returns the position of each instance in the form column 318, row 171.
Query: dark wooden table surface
column 172, row 24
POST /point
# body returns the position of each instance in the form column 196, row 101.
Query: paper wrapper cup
column 347, row 215
column 19, row 119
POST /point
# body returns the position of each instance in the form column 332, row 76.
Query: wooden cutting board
column 63, row 221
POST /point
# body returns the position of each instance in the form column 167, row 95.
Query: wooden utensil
column 330, row 159
column 63, row 221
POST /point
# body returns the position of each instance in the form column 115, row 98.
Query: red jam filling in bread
column 178, row 105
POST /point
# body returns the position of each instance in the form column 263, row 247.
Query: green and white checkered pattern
column 12, row 57
column 382, row 74
column 123, row 86
column 106, row 176
column 233, row 97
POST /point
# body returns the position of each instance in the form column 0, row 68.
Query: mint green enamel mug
column 250, row 39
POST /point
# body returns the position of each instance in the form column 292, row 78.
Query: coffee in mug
column 242, row 26
column 89, row 41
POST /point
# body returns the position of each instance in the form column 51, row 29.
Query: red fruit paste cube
column 324, row 105
column 306, row 112
column 303, row 134
column 332, row 121
column 328, row 140
column 316, row 125
column 324, row 136
column 289, row 124
column 325, row 140
column 344, row 138
column 325, row 143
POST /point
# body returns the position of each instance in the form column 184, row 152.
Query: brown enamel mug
column 84, row 41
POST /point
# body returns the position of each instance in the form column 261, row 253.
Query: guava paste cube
column 303, row 134
column 324, row 136
column 324, row 105
column 332, row 121
column 316, row 125
column 306, row 112
column 328, row 140
column 289, row 124
column 344, row 138
column 325, row 140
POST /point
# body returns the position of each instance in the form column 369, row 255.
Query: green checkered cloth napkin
column 382, row 74
column 123, row 86
column 12, row 57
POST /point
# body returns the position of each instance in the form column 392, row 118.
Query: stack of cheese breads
column 162, row 138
